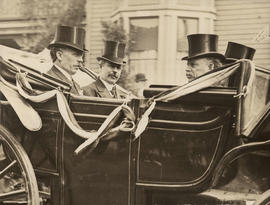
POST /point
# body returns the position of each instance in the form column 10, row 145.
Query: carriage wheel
column 18, row 184
column 264, row 199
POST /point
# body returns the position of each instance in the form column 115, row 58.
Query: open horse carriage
column 193, row 144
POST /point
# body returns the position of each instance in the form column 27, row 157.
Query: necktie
column 113, row 92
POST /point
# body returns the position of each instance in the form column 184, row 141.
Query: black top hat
column 73, row 37
column 237, row 51
column 114, row 52
column 202, row 45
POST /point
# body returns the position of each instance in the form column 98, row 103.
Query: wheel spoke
column 17, row 194
column 4, row 171
column 14, row 202
column 44, row 194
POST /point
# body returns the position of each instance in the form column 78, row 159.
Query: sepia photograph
column 135, row 102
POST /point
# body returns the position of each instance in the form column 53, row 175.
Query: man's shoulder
column 90, row 89
column 54, row 72
column 90, row 86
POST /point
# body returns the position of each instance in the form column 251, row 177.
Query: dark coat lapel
column 57, row 74
column 98, row 89
column 102, row 90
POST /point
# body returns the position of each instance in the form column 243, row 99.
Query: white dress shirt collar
column 107, row 85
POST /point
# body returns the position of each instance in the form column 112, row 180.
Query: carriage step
column 43, row 197
column 14, row 202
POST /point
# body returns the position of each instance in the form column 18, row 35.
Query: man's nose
column 80, row 59
column 188, row 70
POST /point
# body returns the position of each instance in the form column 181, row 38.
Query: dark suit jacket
column 75, row 88
column 98, row 89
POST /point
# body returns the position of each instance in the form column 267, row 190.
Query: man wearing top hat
column 111, row 65
column 202, row 55
column 67, row 55
column 236, row 51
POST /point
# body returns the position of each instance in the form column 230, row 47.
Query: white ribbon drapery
column 25, row 112
column 64, row 109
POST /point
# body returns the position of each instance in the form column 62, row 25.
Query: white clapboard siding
column 240, row 21
column 97, row 11
column 192, row 3
column 142, row 2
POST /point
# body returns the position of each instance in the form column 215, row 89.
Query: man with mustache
column 67, row 55
column 111, row 65
column 202, row 55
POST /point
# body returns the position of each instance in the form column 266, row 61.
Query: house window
column 142, row 2
column 185, row 26
column 144, row 44
column 159, row 34
column 144, row 34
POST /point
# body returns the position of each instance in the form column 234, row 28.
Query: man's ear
column 101, row 63
column 59, row 55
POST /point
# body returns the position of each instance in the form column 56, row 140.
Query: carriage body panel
column 209, row 139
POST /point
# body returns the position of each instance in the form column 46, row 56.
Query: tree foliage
column 113, row 31
column 47, row 15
